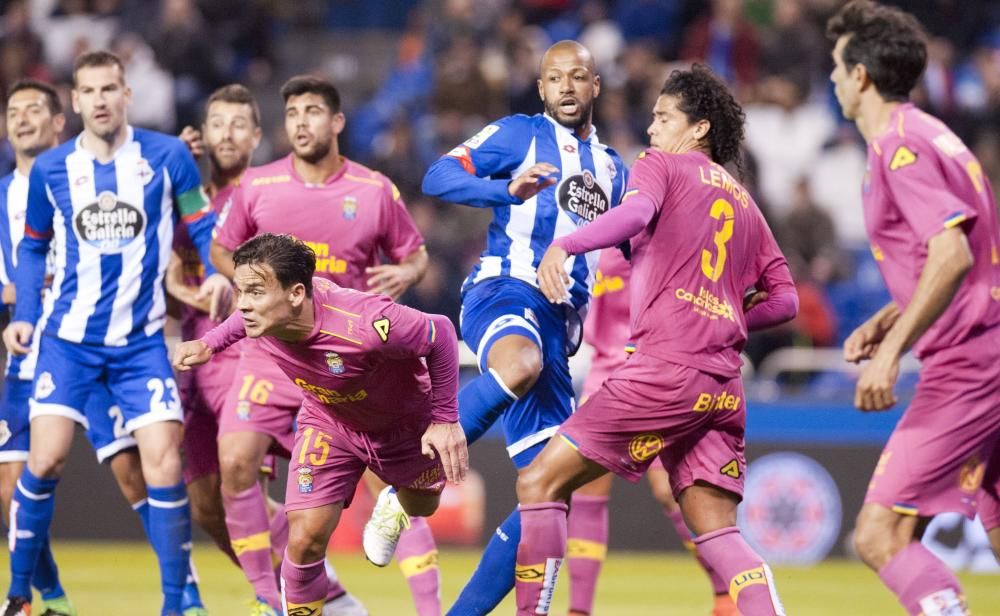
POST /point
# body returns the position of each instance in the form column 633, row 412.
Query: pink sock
column 279, row 537
column 303, row 587
column 539, row 556
column 719, row 586
column 246, row 518
column 586, row 548
column 417, row 556
column 751, row 584
column 923, row 584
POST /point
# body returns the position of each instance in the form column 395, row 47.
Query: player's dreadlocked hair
column 889, row 43
column 702, row 96
column 291, row 259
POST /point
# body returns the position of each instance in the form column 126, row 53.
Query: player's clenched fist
column 552, row 276
column 448, row 440
column 17, row 337
column 533, row 181
column 189, row 354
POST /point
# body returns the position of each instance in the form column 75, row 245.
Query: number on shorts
column 724, row 210
column 321, row 445
column 156, row 402
column 256, row 392
column 115, row 413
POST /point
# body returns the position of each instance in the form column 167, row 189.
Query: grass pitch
column 122, row 579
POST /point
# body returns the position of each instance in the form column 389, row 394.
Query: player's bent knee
column 536, row 484
column 519, row 366
column 46, row 465
column 304, row 545
column 239, row 473
column 875, row 541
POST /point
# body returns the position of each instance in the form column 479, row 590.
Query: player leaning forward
column 380, row 382
column 698, row 242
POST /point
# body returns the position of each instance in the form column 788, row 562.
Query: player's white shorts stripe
column 150, row 418
column 542, row 435
column 497, row 326
column 32, row 495
column 167, row 504
column 13, row 456
column 60, row 410
column 116, row 446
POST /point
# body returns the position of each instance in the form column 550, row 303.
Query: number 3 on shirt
column 721, row 209
column 320, row 445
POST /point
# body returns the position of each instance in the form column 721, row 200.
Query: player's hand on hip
column 752, row 299
column 191, row 353
column 448, row 440
column 219, row 290
column 17, row 337
column 191, row 137
column 862, row 344
column 552, row 276
column 874, row 391
column 533, row 181
column 393, row 280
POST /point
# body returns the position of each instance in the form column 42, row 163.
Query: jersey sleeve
column 29, row 276
column 191, row 201
column 649, row 178
column 400, row 236
column 397, row 331
column 771, row 272
column 478, row 171
column 236, row 225
column 913, row 175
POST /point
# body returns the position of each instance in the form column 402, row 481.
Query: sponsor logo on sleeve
column 903, row 157
column 479, row 138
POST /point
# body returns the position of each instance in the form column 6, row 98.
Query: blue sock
column 31, row 516
column 190, row 597
column 494, row 577
column 170, row 536
column 46, row 577
column 480, row 402
column 142, row 510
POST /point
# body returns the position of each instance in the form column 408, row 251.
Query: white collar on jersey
column 592, row 138
column 129, row 136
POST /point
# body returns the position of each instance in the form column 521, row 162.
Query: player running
column 350, row 216
column 109, row 198
column 698, row 242
column 931, row 219
column 543, row 175
column 607, row 331
column 369, row 398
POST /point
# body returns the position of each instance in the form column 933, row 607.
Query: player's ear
column 860, row 76
column 339, row 121
column 258, row 134
column 541, row 90
column 701, row 128
column 597, row 86
column 58, row 123
column 297, row 294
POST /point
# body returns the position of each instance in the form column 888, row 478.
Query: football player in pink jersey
column 931, row 218
column 351, row 217
column 380, row 384
column 698, row 241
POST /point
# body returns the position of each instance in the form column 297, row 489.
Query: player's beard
column 552, row 108
column 232, row 169
column 316, row 153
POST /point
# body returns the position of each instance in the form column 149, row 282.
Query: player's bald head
column 565, row 50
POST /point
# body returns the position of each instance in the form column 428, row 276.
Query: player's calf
column 880, row 534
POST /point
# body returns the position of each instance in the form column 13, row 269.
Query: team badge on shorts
column 645, row 446
column 350, row 208
column 44, row 386
column 334, row 363
column 305, row 479
column 5, row 432
column 243, row 410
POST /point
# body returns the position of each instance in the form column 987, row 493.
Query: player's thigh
column 142, row 385
column 659, row 485
column 558, row 470
column 309, row 531
column 420, row 503
column 598, row 487
column 398, row 461
column 65, row 375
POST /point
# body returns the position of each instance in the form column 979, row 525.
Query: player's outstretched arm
column 190, row 354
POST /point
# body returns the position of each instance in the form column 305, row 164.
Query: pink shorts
column 261, row 399
column 200, row 448
column 943, row 450
column 693, row 421
column 989, row 496
column 329, row 459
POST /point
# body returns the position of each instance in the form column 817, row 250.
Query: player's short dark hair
column 51, row 96
column 239, row 94
column 291, row 259
column 100, row 57
column 309, row 84
column 703, row 96
column 888, row 42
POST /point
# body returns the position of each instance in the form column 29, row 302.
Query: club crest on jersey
column 44, row 386
column 582, row 196
column 109, row 224
column 5, row 432
column 350, row 208
column 144, row 171
column 334, row 363
column 243, row 410
column 305, row 479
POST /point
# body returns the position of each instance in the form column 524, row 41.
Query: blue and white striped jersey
column 591, row 180
column 113, row 227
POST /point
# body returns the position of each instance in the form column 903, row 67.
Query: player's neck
column 300, row 326
column 24, row 163
column 874, row 117
column 220, row 180
column 104, row 149
column 320, row 171
column 584, row 131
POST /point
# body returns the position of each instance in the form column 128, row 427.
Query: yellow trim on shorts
column 569, row 442
column 905, row 509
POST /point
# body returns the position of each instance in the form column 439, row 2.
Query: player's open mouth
column 27, row 132
column 569, row 106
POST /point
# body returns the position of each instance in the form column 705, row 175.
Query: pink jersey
column 922, row 179
column 706, row 245
column 607, row 326
column 363, row 364
column 347, row 221
column 194, row 322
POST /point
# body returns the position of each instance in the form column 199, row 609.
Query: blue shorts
column 138, row 376
column 106, row 431
column 498, row 307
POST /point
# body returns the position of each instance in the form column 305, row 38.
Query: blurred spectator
column 152, row 87
column 73, row 28
column 726, row 41
column 835, row 183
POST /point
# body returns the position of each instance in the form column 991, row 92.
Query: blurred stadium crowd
column 420, row 77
